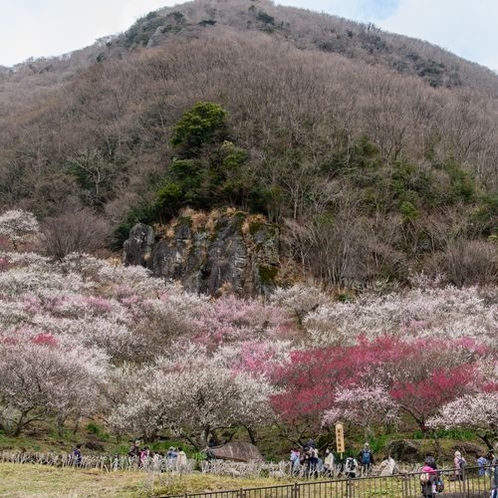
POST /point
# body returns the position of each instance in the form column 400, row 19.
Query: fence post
column 295, row 490
column 349, row 488
column 406, row 491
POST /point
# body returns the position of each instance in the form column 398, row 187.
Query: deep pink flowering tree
column 419, row 376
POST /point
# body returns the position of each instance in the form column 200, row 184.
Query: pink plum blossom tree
column 363, row 407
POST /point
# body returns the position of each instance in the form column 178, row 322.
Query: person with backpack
column 438, row 483
column 135, row 450
column 350, row 467
column 76, row 455
column 365, row 457
column 460, row 463
column 428, row 477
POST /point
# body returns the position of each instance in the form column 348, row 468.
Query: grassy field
column 36, row 481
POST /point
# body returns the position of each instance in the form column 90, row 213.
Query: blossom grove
column 83, row 337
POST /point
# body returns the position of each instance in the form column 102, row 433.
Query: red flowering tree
column 421, row 398
column 419, row 375
column 308, row 382
column 427, row 374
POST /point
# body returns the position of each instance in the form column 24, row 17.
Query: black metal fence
column 404, row 485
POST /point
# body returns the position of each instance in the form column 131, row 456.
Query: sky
column 45, row 28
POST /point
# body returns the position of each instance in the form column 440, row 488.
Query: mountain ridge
column 374, row 153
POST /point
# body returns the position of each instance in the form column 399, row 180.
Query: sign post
column 339, row 438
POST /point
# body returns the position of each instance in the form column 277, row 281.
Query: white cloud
column 465, row 28
column 462, row 27
column 37, row 28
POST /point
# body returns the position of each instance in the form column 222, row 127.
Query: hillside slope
column 374, row 152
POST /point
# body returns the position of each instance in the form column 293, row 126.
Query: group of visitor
column 176, row 458
column 431, row 479
column 484, row 462
column 308, row 462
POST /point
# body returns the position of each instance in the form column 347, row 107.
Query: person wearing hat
column 365, row 457
column 135, row 450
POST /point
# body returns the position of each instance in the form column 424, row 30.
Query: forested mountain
column 375, row 153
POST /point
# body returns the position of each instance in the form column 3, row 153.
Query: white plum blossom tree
column 478, row 412
column 39, row 379
column 17, row 225
column 193, row 402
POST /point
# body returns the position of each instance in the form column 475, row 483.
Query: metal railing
column 404, row 485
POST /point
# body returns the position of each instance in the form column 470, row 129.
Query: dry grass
column 37, row 481
column 43, row 481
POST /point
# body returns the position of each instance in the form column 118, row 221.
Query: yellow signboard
column 339, row 437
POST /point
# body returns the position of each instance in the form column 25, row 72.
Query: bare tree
column 79, row 230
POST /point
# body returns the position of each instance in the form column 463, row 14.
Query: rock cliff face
column 232, row 252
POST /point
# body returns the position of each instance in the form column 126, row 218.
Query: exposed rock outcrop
column 230, row 252
column 138, row 247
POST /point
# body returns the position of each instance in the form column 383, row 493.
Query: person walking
column 76, row 455
column 428, row 477
column 459, row 462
